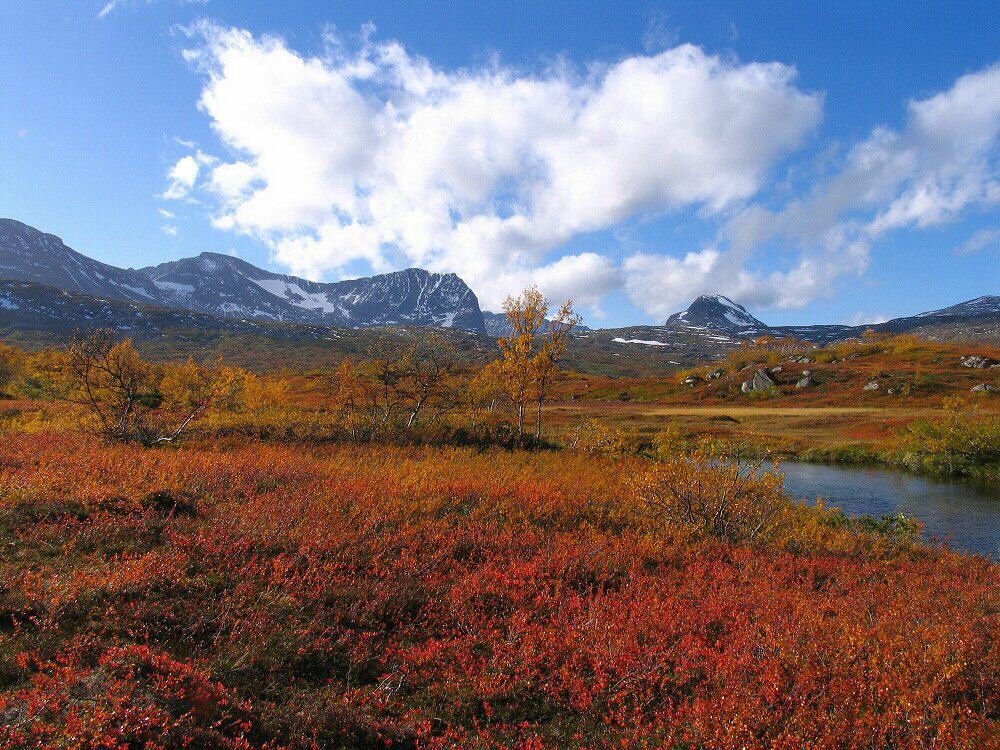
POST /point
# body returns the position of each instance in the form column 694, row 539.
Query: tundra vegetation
column 385, row 555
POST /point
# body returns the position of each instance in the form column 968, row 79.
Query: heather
column 265, row 595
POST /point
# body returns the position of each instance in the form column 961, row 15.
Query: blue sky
column 818, row 162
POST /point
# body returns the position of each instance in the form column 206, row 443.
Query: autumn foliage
column 353, row 596
column 368, row 557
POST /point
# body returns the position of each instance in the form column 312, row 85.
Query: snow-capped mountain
column 718, row 313
column 230, row 287
column 26, row 254
column 497, row 325
column 988, row 305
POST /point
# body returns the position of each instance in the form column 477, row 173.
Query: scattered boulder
column 983, row 388
column 871, row 385
column 976, row 362
column 776, row 370
column 760, row 382
column 806, row 382
column 714, row 375
column 692, row 380
column 806, row 373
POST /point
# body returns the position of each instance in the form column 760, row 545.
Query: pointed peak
column 716, row 311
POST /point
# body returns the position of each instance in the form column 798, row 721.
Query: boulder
column 976, row 362
column 806, row 373
column 806, row 382
column 760, row 382
column 692, row 380
column 714, row 375
column 871, row 385
column 776, row 370
column 983, row 388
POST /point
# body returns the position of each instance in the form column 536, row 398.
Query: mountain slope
column 228, row 287
column 27, row 254
column 34, row 315
column 497, row 325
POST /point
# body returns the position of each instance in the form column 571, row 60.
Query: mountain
column 26, row 254
column 989, row 305
column 230, row 287
column 34, row 315
column 497, row 325
column 714, row 325
column 716, row 312
column 217, row 303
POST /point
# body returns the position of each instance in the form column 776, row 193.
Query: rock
column 776, row 370
column 714, row 375
column 805, row 382
column 759, row 383
column 976, row 362
column 983, row 388
column 692, row 380
column 871, row 386
column 890, row 391
column 806, row 373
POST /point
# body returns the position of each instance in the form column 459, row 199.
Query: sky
column 816, row 162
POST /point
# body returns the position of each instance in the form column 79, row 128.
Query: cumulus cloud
column 169, row 230
column 942, row 163
column 367, row 156
column 374, row 155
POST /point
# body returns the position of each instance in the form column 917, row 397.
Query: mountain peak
column 229, row 287
column 718, row 312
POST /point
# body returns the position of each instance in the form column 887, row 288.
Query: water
column 967, row 514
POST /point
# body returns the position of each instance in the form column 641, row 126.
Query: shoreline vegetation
column 410, row 551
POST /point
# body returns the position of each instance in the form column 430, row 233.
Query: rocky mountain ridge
column 228, row 287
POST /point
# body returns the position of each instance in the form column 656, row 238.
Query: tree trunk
column 538, row 419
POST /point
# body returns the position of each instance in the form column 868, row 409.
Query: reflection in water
column 966, row 514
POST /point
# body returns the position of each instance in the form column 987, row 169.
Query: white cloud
column 376, row 156
column 108, row 8
column 982, row 239
column 170, row 231
column 181, row 178
column 863, row 318
column 372, row 155
column 165, row 214
column 941, row 164
column 113, row 5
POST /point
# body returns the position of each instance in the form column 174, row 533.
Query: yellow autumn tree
column 532, row 350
